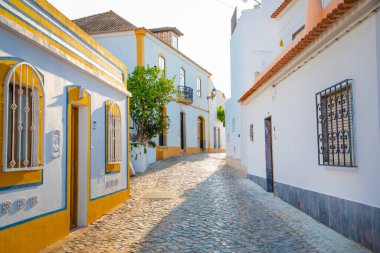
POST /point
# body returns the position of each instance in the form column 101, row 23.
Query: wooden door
column 74, row 168
column 269, row 154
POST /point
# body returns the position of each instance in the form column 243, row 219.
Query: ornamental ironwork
column 336, row 125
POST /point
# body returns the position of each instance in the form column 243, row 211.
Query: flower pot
column 142, row 156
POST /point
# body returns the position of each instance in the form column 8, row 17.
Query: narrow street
column 196, row 203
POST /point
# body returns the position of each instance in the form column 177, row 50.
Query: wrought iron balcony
column 185, row 94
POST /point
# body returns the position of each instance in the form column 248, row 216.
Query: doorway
column 73, row 191
column 183, row 131
column 215, row 137
column 201, row 133
column 269, row 154
column 218, row 138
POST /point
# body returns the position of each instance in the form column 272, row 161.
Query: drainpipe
column 313, row 13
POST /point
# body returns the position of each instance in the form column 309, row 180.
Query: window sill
column 22, row 169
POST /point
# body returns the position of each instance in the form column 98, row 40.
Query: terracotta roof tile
column 281, row 8
column 106, row 22
column 301, row 44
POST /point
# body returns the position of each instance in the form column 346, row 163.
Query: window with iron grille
column 336, row 125
column 251, row 132
column 23, row 114
column 114, row 134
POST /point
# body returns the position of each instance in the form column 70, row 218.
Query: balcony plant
column 221, row 115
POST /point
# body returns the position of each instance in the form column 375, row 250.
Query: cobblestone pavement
column 214, row 209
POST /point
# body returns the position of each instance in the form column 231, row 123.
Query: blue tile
column 364, row 216
column 335, row 214
column 352, row 227
column 314, row 205
column 376, row 229
column 292, row 196
column 324, row 209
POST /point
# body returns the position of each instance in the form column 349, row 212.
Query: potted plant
column 151, row 91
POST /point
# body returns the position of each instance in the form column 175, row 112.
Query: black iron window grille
column 186, row 93
column 335, row 125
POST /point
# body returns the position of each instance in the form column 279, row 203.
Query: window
column 175, row 41
column 199, row 87
column 23, row 114
column 182, row 77
column 233, row 125
column 335, row 125
column 162, row 64
column 113, row 134
column 297, row 32
column 251, row 132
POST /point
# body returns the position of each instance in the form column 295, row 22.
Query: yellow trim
column 203, row 130
column 74, row 99
column 167, row 152
column 140, row 46
column 18, row 177
column 79, row 32
column 63, row 35
column 191, row 105
column 51, row 42
column 111, row 167
column 35, row 235
column 98, row 207
column 216, row 150
column 192, row 150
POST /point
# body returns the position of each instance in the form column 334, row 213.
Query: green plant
column 151, row 92
column 221, row 115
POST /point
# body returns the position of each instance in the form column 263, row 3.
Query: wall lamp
column 213, row 94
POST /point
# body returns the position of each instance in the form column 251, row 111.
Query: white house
column 307, row 99
column 63, row 127
column 191, row 123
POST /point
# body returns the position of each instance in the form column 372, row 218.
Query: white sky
column 205, row 23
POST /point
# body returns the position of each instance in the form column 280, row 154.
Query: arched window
column 113, row 134
column 162, row 64
column 182, row 77
column 23, row 116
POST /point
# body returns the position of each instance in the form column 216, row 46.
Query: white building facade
column 309, row 95
column 63, row 105
column 192, row 118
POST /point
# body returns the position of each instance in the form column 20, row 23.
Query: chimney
column 313, row 13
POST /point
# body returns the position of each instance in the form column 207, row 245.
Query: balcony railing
column 186, row 94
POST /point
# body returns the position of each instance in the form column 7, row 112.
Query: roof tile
column 107, row 22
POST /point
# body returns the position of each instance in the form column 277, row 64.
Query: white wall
column 293, row 110
column 122, row 45
column 58, row 76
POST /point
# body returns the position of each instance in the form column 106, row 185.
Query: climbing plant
column 221, row 115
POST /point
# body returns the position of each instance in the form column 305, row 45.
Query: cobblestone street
column 196, row 203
